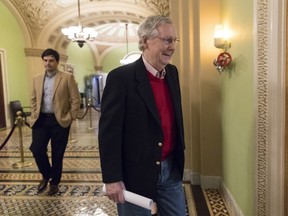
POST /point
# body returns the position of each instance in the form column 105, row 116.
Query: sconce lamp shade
column 219, row 40
column 221, row 36
column 224, row 59
column 218, row 31
column 219, row 43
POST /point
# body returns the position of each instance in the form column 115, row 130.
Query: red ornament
column 224, row 59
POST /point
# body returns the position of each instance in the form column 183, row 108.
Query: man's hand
column 114, row 191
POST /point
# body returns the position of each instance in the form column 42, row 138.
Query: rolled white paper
column 136, row 199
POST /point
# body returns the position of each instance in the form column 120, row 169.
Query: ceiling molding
column 45, row 18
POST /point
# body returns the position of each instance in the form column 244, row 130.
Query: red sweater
column 165, row 108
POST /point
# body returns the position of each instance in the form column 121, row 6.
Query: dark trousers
column 44, row 130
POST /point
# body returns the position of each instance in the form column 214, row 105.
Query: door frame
column 270, row 68
column 3, row 60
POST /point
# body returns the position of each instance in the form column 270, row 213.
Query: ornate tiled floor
column 215, row 203
column 80, row 189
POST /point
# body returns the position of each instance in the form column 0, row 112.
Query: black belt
column 47, row 114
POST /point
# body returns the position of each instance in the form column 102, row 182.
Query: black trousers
column 46, row 129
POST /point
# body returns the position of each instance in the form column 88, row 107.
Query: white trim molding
column 213, row 182
column 3, row 66
column 192, row 177
column 232, row 205
column 270, row 48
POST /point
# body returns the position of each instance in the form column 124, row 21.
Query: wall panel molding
column 270, row 49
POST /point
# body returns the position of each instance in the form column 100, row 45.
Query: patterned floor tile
column 215, row 202
column 81, row 186
column 57, row 206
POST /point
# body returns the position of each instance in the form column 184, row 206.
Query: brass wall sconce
column 224, row 59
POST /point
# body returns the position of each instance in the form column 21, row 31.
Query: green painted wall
column 84, row 64
column 83, row 60
column 112, row 60
column 17, row 65
column 16, row 60
column 237, row 103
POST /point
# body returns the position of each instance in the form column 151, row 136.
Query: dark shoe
column 53, row 190
column 42, row 185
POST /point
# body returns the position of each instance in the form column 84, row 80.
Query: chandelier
column 78, row 33
column 132, row 56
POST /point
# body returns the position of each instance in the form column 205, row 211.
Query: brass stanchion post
column 21, row 163
column 90, row 114
column 71, row 140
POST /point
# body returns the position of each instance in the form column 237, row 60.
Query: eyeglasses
column 168, row 41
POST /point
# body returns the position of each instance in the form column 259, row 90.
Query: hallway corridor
column 81, row 187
